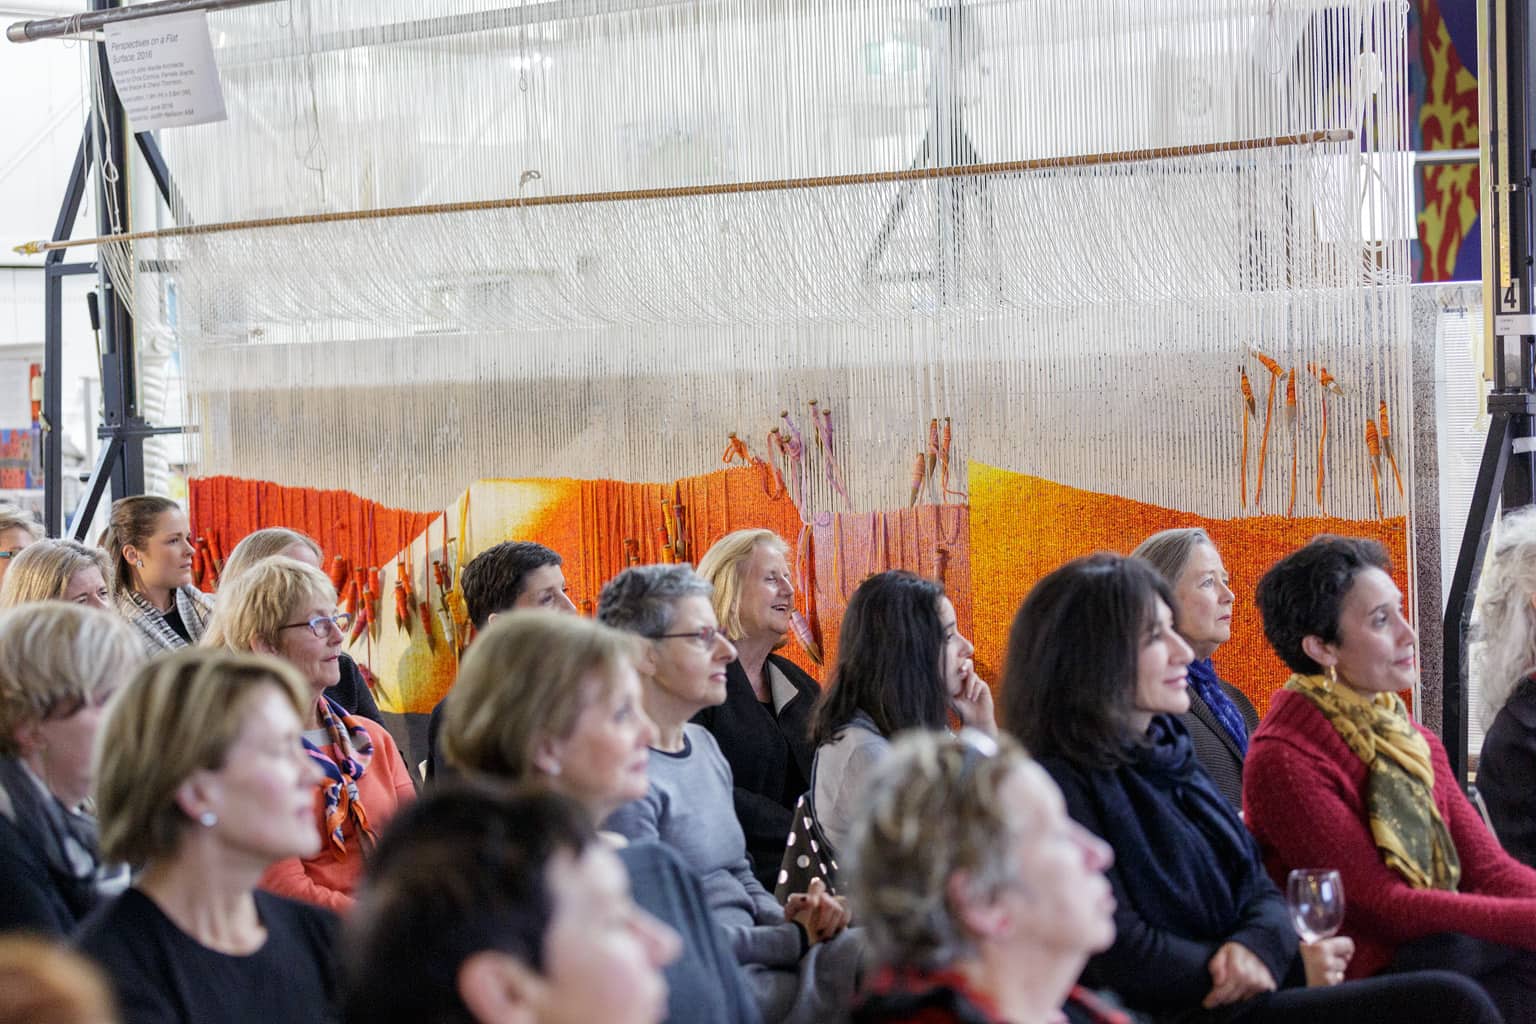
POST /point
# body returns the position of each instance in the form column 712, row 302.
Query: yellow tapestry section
column 1022, row 527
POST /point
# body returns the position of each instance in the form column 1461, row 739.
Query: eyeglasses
column 12, row 553
column 704, row 636
column 320, row 625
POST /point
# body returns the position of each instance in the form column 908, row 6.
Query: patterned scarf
column 149, row 623
column 1399, row 789
column 66, row 840
column 1202, row 676
column 353, row 749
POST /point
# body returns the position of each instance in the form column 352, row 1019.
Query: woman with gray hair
column 17, row 530
column 982, row 900
column 1220, row 717
column 59, row 666
column 1505, row 646
column 801, row 962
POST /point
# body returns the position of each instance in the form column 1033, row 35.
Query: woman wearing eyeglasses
column 287, row 609
column 801, row 962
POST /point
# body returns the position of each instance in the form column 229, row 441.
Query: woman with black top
column 1096, row 678
column 150, row 544
column 203, row 783
column 1506, row 658
column 1220, row 717
column 59, row 664
column 763, row 728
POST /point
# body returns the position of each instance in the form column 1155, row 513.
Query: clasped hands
column 820, row 913
column 1237, row 973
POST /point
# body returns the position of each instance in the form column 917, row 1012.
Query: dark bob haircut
column 463, row 870
column 493, row 579
column 1300, row 595
column 889, row 659
column 1069, row 680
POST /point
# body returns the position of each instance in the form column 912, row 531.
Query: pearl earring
column 139, row 563
column 207, row 819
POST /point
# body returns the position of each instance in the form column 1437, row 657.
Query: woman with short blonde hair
column 58, row 570
column 18, row 529
column 59, row 665
column 287, row 609
column 351, row 690
column 269, row 541
column 203, row 781
column 549, row 697
column 981, row 899
column 763, row 728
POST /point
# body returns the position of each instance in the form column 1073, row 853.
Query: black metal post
column 53, row 344
column 1507, row 473
column 119, row 370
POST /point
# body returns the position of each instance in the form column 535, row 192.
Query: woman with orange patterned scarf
column 285, row 608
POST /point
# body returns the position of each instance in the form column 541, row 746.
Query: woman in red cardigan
column 1339, row 776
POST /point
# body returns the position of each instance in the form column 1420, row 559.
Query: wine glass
column 1315, row 897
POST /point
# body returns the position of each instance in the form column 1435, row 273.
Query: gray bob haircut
column 642, row 599
column 1168, row 551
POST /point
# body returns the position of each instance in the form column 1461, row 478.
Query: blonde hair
column 43, row 570
column 180, row 713
column 54, row 659
column 525, row 680
column 254, row 547
column 1504, row 638
column 724, row 564
column 14, row 517
column 132, row 524
column 932, row 811
column 256, row 604
column 46, row 982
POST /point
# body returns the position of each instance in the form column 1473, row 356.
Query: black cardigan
column 32, row 900
column 770, row 758
column 1174, row 836
column 1215, row 750
column 1505, row 769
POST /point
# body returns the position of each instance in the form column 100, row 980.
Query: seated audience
column 902, row 663
column 1095, row 684
column 58, row 570
column 483, row 906
column 203, row 783
column 1220, row 717
column 150, row 545
column 59, row 665
column 800, row 962
column 1505, row 648
column 351, row 690
column 1340, row 776
column 43, row 982
column 763, row 725
column 981, row 899
column 18, row 529
column 287, row 609
column 554, row 699
column 506, row 576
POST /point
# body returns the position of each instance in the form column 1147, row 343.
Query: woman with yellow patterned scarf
column 1340, row 776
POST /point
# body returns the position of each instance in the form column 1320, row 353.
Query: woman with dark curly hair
column 1338, row 775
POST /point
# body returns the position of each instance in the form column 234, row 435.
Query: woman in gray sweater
column 802, row 963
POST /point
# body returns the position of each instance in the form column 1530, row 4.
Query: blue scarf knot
column 1202, row 677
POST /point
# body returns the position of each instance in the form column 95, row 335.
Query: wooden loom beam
column 726, row 188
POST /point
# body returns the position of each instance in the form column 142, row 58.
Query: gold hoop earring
column 1331, row 674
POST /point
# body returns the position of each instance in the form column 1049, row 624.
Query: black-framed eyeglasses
column 320, row 625
column 705, row 636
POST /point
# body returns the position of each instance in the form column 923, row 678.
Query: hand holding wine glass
column 1315, row 898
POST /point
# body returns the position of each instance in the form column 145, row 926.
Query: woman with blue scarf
column 1220, row 717
column 1095, row 684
